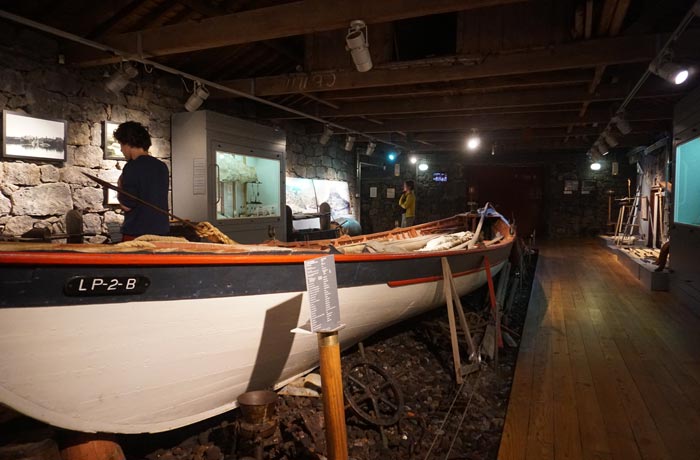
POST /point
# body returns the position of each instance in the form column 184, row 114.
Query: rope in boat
column 213, row 234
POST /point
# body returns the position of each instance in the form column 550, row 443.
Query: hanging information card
column 322, row 290
column 199, row 176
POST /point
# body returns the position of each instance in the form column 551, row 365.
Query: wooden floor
column 606, row 370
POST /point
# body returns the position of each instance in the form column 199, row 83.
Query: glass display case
column 247, row 186
column 687, row 186
column 229, row 172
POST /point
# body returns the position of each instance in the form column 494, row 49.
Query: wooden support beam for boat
column 494, row 305
column 333, row 404
column 89, row 446
column 447, row 274
column 447, row 288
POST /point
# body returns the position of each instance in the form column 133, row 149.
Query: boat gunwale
column 187, row 258
column 264, row 255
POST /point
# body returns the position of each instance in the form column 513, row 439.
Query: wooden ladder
column 626, row 236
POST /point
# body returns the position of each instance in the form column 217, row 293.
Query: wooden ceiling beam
column 503, row 121
column 509, row 82
column 286, row 20
column 544, row 144
column 589, row 53
column 499, row 100
column 534, row 133
column 478, row 85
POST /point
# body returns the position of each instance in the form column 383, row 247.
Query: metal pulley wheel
column 373, row 394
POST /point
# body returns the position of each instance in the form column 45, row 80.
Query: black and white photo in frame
column 25, row 137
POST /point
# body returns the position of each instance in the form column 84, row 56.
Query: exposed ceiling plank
column 498, row 100
column 289, row 19
column 113, row 20
column 606, row 17
column 590, row 53
column 492, row 121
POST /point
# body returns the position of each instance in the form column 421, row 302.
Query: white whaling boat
column 152, row 336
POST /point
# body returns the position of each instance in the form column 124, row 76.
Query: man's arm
column 124, row 202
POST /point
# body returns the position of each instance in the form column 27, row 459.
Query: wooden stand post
column 452, row 299
column 494, row 306
column 88, row 446
column 333, row 404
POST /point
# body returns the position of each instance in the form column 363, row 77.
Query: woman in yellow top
column 408, row 202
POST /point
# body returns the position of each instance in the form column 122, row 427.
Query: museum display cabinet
column 229, row 172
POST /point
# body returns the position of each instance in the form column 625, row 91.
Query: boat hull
column 205, row 330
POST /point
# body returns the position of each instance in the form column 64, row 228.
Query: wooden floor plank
column 611, row 371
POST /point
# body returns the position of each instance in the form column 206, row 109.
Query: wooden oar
column 139, row 200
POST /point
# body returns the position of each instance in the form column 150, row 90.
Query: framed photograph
column 30, row 138
column 110, row 144
column 587, row 187
column 110, row 196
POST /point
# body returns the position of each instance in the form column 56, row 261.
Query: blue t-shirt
column 147, row 178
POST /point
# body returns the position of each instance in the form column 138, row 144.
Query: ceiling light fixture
column 622, row 124
column 595, row 166
column 349, row 142
column 413, row 159
column 120, row 78
column 603, row 147
column 199, row 94
column 326, row 136
column 423, row 166
column 668, row 70
column 474, row 141
column 610, row 138
column 370, row 148
column 357, row 42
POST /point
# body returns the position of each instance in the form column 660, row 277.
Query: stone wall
column 579, row 213
column 38, row 193
column 434, row 200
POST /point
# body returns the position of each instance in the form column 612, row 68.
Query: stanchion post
column 333, row 403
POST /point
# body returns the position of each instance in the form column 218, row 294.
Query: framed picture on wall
column 25, row 137
column 110, row 196
column 110, row 145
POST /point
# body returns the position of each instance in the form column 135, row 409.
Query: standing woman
column 145, row 177
column 408, row 203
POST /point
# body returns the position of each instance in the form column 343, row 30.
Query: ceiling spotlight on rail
column 603, row 147
column 413, row 159
column 595, row 166
column 665, row 68
column 370, row 148
column 120, row 78
column 349, row 142
column 423, row 166
column 610, row 138
column 622, row 124
column 326, row 136
column 199, row 94
column 357, row 42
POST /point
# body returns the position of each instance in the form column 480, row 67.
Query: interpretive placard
column 199, row 176
column 322, row 289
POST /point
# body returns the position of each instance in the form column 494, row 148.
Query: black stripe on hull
column 27, row 286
